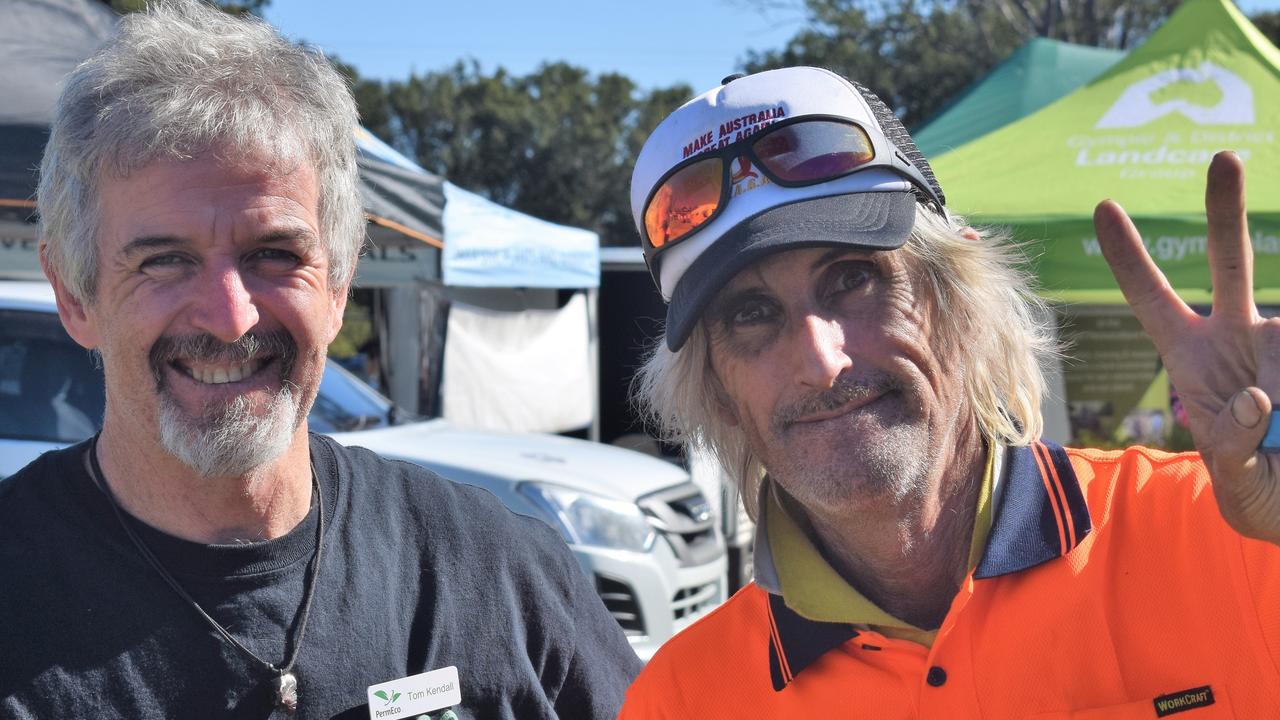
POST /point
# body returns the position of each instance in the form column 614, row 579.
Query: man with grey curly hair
column 205, row 555
column 867, row 368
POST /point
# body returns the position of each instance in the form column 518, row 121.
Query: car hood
column 515, row 457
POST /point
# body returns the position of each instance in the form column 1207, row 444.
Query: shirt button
column 936, row 677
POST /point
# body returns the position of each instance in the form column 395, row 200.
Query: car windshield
column 50, row 387
column 345, row 403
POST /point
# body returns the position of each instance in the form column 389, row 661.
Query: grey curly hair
column 180, row 79
column 986, row 316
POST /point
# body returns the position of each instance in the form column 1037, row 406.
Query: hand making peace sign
column 1226, row 366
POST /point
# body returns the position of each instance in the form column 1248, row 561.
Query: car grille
column 621, row 602
column 692, row 600
column 683, row 517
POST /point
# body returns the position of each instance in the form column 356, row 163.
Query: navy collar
column 1042, row 516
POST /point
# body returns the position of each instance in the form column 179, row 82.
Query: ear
column 339, row 306
column 71, row 309
column 969, row 233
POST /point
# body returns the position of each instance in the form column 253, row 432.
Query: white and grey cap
column 870, row 208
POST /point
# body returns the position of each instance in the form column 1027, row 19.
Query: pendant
column 287, row 692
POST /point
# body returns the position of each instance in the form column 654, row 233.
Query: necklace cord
column 313, row 571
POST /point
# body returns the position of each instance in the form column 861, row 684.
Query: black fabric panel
column 40, row 42
column 411, row 198
column 21, row 147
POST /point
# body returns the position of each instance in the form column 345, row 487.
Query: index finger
column 1162, row 313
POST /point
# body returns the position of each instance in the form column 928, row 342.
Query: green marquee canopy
column 1142, row 133
column 1035, row 75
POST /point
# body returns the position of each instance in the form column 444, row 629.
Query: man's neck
column 161, row 491
column 910, row 556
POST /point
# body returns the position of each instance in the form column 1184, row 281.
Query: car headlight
column 587, row 519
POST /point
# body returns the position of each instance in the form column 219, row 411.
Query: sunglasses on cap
column 793, row 153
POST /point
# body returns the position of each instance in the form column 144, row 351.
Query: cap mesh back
column 899, row 136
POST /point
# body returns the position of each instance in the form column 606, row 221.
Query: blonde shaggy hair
column 986, row 316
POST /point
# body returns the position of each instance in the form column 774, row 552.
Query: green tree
column 1104, row 23
column 370, row 95
column 917, row 54
column 557, row 143
column 1269, row 23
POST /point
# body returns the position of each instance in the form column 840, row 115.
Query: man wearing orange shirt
column 868, row 367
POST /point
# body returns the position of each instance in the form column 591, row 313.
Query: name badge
column 415, row 695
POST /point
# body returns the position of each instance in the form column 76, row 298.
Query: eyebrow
column 728, row 294
column 140, row 245
column 728, row 297
column 837, row 252
column 299, row 236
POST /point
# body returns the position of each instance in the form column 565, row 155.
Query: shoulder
column 409, row 500
column 416, row 489
column 39, row 482
column 1148, row 487
column 731, row 641
column 1138, row 462
column 488, row 571
column 1136, row 470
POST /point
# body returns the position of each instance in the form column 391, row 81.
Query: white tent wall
column 516, row 359
column 520, row 350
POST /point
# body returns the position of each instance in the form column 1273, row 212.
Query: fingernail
column 1245, row 409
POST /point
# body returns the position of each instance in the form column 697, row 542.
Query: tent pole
column 593, row 361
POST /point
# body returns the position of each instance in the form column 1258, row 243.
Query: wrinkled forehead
column 225, row 169
column 213, row 177
column 283, row 155
column 190, row 198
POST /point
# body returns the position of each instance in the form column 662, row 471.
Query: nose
column 820, row 349
column 224, row 308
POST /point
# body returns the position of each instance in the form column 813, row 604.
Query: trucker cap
column 872, row 207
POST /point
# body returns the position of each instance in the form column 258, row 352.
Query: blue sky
column 655, row 42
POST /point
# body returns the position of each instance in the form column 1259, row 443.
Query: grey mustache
column 203, row 347
column 845, row 390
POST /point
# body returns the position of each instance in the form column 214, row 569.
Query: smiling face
column 213, row 310
column 829, row 367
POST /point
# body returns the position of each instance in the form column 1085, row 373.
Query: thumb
column 1244, row 479
column 1237, row 431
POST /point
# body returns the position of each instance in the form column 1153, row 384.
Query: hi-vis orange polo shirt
column 1110, row 589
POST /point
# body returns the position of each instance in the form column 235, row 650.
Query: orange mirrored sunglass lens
column 684, row 201
column 814, row 150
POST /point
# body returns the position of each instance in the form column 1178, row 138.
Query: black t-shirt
column 418, row 573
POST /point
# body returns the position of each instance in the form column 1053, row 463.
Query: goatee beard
column 232, row 438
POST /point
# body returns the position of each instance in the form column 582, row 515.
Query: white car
column 640, row 529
